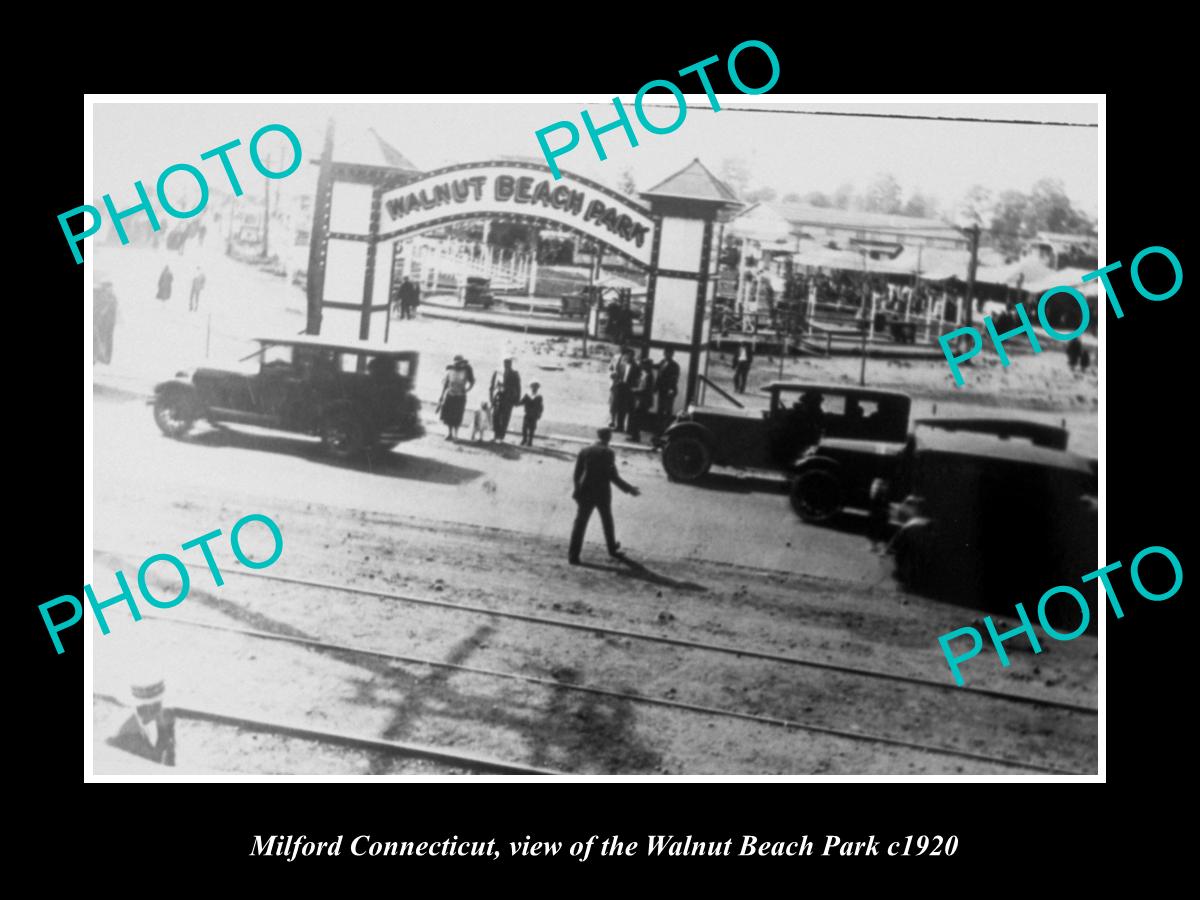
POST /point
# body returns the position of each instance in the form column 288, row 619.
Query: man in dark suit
column 595, row 472
column 150, row 731
column 668, row 385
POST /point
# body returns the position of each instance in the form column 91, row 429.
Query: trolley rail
column 472, row 761
column 663, row 639
column 607, row 692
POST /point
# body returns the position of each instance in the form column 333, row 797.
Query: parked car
column 1037, row 433
column 354, row 395
column 994, row 520
column 836, row 473
column 799, row 415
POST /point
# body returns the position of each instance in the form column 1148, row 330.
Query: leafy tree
column 1050, row 209
column 976, row 205
column 921, row 205
column 792, row 197
column 1010, row 220
column 626, row 185
column 843, row 197
column 883, row 195
column 759, row 195
column 817, row 198
column 736, row 174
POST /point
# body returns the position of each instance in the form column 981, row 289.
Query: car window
column 350, row 363
column 277, row 355
column 834, row 404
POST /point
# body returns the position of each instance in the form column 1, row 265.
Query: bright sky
column 791, row 153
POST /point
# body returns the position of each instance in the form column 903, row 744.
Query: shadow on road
column 629, row 568
column 388, row 463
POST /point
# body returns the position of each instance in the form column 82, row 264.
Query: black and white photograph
column 471, row 437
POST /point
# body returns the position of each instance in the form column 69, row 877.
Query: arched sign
column 361, row 207
column 523, row 191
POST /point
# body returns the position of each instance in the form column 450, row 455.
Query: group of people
column 643, row 391
column 166, row 278
column 495, row 412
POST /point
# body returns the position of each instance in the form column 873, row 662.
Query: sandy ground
column 450, row 538
column 725, row 561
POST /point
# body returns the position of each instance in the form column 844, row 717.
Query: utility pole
column 266, row 207
column 973, row 235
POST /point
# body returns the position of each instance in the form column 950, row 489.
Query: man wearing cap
column 595, row 472
column 505, row 392
column 150, row 731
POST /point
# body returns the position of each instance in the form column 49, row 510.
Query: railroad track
column 663, row 640
column 727, row 649
column 471, row 762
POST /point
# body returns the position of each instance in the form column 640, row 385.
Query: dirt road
column 726, row 563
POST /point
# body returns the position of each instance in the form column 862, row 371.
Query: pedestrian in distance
column 164, row 283
column 534, row 406
column 197, row 287
column 624, row 376
column 482, row 423
column 1074, row 351
column 408, row 298
column 595, row 473
column 668, row 385
column 505, row 392
column 459, row 379
column 643, row 396
column 741, row 367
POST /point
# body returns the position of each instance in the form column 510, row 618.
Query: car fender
column 178, row 387
column 812, row 463
column 686, row 429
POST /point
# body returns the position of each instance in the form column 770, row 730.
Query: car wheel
column 174, row 414
column 817, row 495
column 686, row 458
column 343, row 435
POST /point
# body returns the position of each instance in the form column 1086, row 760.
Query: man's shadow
column 629, row 568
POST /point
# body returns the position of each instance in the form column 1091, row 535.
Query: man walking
column 197, row 287
column 595, row 473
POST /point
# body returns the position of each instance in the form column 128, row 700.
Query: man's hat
column 143, row 693
column 458, row 357
column 604, row 433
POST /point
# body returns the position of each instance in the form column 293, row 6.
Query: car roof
column 998, row 425
column 967, row 444
column 315, row 340
column 831, row 389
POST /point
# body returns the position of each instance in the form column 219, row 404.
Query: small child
column 483, row 421
column 534, row 406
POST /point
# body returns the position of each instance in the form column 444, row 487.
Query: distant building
column 1062, row 250
column 881, row 235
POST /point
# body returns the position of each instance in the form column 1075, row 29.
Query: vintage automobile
column 1037, row 433
column 799, row 415
column 994, row 520
column 835, row 473
column 356, row 396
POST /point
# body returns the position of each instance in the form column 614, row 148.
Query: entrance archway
column 671, row 232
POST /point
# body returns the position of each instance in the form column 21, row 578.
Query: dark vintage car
column 799, row 415
column 994, row 520
column 836, row 473
column 354, row 395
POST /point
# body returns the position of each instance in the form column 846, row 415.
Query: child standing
column 533, row 404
